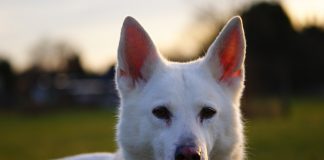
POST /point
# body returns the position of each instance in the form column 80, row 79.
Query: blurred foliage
column 280, row 61
column 56, row 78
column 54, row 55
column 7, row 83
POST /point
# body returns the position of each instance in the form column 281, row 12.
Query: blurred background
column 57, row 94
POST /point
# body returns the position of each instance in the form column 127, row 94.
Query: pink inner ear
column 230, row 55
column 137, row 49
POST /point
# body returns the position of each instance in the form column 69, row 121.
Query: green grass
column 56, row 135
column 297, row 136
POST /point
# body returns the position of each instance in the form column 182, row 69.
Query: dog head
column 180, row 111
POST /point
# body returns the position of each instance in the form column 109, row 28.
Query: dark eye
column 162, row 112
column 206, row 113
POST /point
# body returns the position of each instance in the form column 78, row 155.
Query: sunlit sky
column 305, row 12
column 94, row 26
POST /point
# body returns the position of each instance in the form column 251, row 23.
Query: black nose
column 187, row 153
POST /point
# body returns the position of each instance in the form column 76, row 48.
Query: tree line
column 280, row 62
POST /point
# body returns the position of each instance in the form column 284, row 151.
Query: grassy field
column 298, row 136
column 55, row 135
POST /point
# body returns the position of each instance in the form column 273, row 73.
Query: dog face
column 175, row 111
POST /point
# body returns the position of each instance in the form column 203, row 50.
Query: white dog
column 179, row 111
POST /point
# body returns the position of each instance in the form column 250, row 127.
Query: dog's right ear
column 137, row 55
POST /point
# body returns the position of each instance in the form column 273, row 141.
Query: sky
column 305, row 12
column 94, row 26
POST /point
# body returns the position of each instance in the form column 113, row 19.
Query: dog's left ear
column 225, row 57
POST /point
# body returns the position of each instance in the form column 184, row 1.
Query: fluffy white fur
column 215, row 80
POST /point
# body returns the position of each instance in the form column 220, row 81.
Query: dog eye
column 206, row 113
column 162, row 112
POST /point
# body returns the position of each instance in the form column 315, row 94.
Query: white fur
column 184, row 88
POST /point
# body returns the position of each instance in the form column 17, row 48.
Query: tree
column 7, row 83
column 53, row 56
